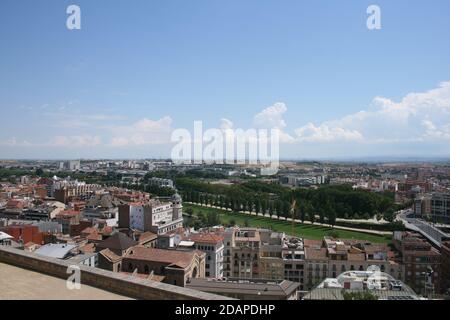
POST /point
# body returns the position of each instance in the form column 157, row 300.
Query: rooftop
column 20, row 284
column 172, row 257
column 53, row 250
column 208, row 238
column 257, row 287
column 118, row 241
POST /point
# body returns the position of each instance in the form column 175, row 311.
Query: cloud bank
column 418, row 119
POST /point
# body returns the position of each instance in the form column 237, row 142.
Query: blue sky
column 137, row 70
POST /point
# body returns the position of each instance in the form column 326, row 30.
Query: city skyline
column 119, row 86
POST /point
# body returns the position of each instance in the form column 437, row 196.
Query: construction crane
column 293, row 204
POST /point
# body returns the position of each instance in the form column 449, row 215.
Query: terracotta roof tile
column 210, row 238
column 170, row 257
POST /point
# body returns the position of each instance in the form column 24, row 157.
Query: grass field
column 302, row 230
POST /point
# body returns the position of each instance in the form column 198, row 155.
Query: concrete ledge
column 125, row 285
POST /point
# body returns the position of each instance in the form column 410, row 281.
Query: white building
column 213, row 245
column 155, row 216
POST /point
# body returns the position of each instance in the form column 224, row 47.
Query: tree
column 286, row 209
column 213, row 219
column 250, row 206
column 322, row 214
column 257, row 206
column 264, row 207
column 244, row 206
column 271, row 209
column 189, row 212
column 389, row 215
column 311, row 213
column 334, row 234
column 39, row 172
column 236, row 205
column 202, row 219
column 278, row 208
column 302, row 208
column 226, row 203
column 332, row 217
column 363, row 295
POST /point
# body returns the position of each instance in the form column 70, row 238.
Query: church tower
column 177, row 207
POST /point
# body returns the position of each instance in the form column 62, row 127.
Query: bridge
column 428, row 230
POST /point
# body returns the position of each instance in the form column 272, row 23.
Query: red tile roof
column 68, row 213
column 316, row 254
column 181, row 259
column 209, row 238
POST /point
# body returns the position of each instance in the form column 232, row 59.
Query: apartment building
column 418, row 257
column 440, row 207
column 331, row 257
column 245, row 253
column 271, row 262
column 213, row 246
column 252, row 253
column 154, row 216
column 293, row 255
column 445, row 267
column 65, row 191
column 263, row 254
column 316, row 266
column 160, row 182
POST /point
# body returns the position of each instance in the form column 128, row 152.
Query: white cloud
column 417, row 117
column 67, row 120
column 271, row 117
column 144, row 131
column 226, row 124
column 422, row 118
column 58, row 141
column 75, row 141
column 325, row 133
column 13, row 142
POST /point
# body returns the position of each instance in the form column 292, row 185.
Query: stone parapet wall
column 110, row 281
